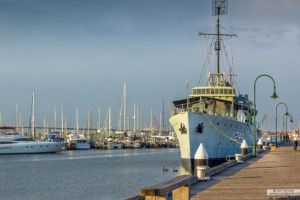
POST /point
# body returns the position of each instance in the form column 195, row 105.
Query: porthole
column 218, row 123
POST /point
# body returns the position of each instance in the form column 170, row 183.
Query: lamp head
column 286, row 113
column 274, row 96
column 291, row 119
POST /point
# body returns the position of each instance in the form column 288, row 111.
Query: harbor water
column 90, row 174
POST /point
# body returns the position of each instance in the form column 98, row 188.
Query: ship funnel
column 244, row 147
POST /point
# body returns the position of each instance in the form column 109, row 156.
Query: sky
column 78, row 53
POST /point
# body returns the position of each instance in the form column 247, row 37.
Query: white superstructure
column 78, row 142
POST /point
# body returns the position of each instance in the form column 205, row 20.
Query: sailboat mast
column 77, row 121
column 160, row 123
column 134, row 121
column 125, row 107
column 99, row 120
column 17, row 113
column 151, row 121
column 54, row 118
column 163, row 115
column 0, row 116
column 109, row 121
column 32, row 116
column 62, row 120
column 137, row 119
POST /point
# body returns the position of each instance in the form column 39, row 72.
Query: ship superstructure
column 214, row 114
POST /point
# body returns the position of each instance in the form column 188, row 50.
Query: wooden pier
column 279, row 169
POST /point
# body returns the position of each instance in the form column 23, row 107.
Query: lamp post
column 283, row 127
column 274, row 96
column 286, row 113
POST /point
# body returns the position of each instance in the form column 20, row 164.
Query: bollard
column 238, row 158
column 201, row 173
column 266, row 148
column 201, row 162
column 244, row 147
column 260, row 144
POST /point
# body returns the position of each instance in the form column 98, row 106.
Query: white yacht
column 17, row 144
column 78, row 142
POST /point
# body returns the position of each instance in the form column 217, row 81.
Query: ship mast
column 219, row 7
column 217, row 44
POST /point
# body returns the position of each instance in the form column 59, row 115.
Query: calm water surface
column 79, row 175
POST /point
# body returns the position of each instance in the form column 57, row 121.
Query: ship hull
column 220, row 135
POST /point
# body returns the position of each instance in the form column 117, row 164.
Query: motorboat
column 78, row 142
column 18, row 144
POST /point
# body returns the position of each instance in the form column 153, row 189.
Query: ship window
column 203, row 91
column 47, row 146
column 198, row 91
column 225, row 91
column 230, row 91
column 194, row 91
column 217, row 91
column 207, row 91
column 31, row 146
column 7, row 142
column 27, row 147
column 41, row 146
column 212, row 91
column 221, row 91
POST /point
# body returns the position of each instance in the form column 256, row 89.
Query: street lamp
column 291, row 119
column 274, row 96
column 286, row 113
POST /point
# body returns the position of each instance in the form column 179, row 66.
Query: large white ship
column 213, row 114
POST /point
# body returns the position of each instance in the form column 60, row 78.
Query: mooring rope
column 221, row 132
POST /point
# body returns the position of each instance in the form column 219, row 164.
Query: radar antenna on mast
column 220, row 7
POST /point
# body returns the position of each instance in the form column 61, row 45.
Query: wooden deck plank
column 275, row 170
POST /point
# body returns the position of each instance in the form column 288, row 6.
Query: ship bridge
column 224, row 93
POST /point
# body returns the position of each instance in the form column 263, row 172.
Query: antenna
column 219, row 7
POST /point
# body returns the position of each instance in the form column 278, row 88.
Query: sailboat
column 213, row 114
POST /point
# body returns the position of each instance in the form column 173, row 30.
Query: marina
column 149, row 100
